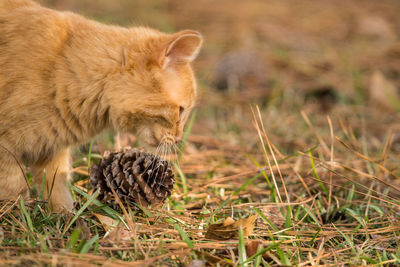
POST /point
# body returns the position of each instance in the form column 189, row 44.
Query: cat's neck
column 81, row 78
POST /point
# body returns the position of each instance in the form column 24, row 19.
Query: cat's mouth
column 168, row 139
column 148, row 137
column 152, row 140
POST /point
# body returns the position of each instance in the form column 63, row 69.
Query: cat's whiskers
column 171, row 155
column 169, row 151
column 166, row 154
column 156, row 153
column 178, row 148
column 165, row 146
column 164, row 173
column 176, row 159
column 158, row 166
column 167, row 140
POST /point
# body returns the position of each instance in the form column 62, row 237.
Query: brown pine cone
column 136, row 177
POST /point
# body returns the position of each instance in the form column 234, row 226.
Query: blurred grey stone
column 240, row 69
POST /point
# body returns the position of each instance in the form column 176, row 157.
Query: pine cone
column 136, row 177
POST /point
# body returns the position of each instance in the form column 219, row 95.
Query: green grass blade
column 312, row 215
column 183, row 178
column 80, row 246
column 26, row 215
column 350, row 196
column 88, row 245
column 43, row 246
column 315, row 237
column 42, row 187
column 106, row 209
column 73, row 239
column 184, row 236
column 257, row 260
column 283, row 257
column 186, row 133
column 316, row 174
column 263, row 172
column 242, row 248
column 348, row 240
column 79, row 212
column 260, row 252
column 266, row 219
column 396, row 258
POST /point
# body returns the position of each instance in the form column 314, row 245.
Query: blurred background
column 297, row 60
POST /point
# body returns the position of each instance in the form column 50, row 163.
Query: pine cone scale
column 135, row 176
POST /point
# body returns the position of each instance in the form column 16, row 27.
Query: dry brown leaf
column 229, row 228
column 105, row 221
column 116, row 234
column 252, row 247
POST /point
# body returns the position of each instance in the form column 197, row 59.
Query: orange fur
column 64, row 79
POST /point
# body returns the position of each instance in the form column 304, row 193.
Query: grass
column 322, row 175
column 337, row 214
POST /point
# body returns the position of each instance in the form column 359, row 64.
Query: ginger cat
column 64, row 79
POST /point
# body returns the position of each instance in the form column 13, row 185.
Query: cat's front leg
column 12, row 181
column 56, row 174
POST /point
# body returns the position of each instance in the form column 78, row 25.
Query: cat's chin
column 148, row 137
column 152, row 143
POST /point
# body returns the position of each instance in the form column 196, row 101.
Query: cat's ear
column 184, row 46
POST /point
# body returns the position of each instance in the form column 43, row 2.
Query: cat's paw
column 61, row 207
column 62, row 203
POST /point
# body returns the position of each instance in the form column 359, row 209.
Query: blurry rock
column 383, row 93
column 239, row 70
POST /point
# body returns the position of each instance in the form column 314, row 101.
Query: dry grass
column 322, row 173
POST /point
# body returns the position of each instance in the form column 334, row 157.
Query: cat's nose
column 168, row 139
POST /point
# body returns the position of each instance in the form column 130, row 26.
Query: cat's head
column 156, row 89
